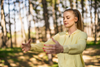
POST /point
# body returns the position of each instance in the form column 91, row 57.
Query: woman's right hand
column 26, row 47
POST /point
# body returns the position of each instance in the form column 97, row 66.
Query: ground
column 16, row 58
column 92, row 56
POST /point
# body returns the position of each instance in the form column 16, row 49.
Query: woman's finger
column 49, row 45
column 49, row 48
column 48, row 51
column 29, row 41
column 23, row 49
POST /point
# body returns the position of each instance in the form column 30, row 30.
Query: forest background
column 40, row 20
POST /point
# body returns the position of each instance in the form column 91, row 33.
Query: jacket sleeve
column 39, row 46
column 76, row 48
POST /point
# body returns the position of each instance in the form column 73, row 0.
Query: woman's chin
column 67, row 26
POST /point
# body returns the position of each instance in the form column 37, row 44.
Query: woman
column 67, row 45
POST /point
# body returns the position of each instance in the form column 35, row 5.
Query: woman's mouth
column 65, row 23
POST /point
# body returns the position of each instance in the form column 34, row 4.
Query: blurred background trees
column 41, row 19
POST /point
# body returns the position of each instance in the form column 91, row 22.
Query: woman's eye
column 67, row 18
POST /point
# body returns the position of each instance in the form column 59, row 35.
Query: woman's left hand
column 53, row 48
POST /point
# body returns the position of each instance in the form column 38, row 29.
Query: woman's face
column 69, row 19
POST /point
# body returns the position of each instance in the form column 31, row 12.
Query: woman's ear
column 76, row 19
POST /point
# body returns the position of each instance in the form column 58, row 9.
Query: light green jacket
column 73, row 47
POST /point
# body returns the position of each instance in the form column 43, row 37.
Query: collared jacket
column 73, row 45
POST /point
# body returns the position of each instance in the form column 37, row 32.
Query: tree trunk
column 71, row 5
column 86, row 4
column 3, row 25
column 47, row 30
column 35, row 28
column 10, row 24
column 22, row 25
column 82, row 5
column 55, row 21
column 95, row 22
column 91, row 18
column 61, row 29
column 15, row 22
column 29, row 25
column 53, row 11
column 76, row 3
column 74, row 6
column 27, row 18
column 45, row 15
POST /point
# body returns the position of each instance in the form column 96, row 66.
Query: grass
column 91, row 43
column 14, row 57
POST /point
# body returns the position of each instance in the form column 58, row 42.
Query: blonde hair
column 78, row 15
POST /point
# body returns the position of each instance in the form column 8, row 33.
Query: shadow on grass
column 14, row 57
column 92, row 54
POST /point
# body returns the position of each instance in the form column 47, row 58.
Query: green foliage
column 91, row 43
column 9, row 51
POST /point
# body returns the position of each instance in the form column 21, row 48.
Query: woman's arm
column 39, row 46
column 76, row 48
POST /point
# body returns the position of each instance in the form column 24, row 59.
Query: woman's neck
column 72, row 29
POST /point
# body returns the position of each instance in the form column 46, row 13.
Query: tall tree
column 86, row 5
column 91, row 17
column 3, row 24
column 29, row 24
column 82, row 5
column 59, row 16
column 55, row 21
column 15, row 22
column 26, row 10
column 47, row 29
column 53, row 13
column 74, row 4
column 71, row 4
column 22, row 24
column 10, row 24
column 96, row 21
column 45, row 15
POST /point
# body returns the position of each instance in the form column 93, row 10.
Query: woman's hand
column 26, row 47
column 53, row 48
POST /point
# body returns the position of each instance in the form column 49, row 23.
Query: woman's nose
column 64, row 20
